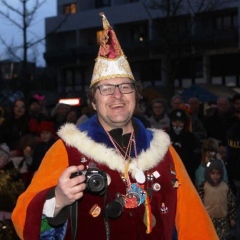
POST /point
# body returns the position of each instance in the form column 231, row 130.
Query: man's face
column 176, row 103
column 194, row 104
column 158, row 108
column 116, row 110
column 19, row 109
column 223, row 105
column 34, row 107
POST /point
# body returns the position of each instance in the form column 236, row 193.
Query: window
column 102, row 3
column 70, row 8
column 226, row 21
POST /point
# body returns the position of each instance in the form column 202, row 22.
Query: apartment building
column 169, row 43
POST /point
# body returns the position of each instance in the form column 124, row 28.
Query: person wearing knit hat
column 35, row 115
column 47, row 126
column 218, row 199
column 214, row 172
column 209, row 152
column 110, row 177
column 184, row 141
column 179, row 117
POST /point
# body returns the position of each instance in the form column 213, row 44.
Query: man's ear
column 94, row 106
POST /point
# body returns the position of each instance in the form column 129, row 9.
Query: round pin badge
column 83, row 160
column 156, row 187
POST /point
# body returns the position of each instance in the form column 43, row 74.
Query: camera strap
column 74, row 219
column 105, row 215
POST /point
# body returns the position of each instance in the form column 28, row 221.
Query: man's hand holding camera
column 68, row 190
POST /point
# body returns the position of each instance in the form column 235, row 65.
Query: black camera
column 96, row 180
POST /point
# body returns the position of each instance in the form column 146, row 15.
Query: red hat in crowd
column 47, row 126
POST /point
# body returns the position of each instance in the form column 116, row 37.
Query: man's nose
column 117, row 93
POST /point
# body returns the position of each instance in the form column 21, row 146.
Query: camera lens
column 96, row 183
column 114, row 209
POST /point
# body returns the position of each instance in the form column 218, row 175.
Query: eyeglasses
column 109, row 89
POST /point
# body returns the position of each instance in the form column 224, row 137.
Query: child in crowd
column 47, row 138
column 218, row 199
column 11, row 186
column 209, row 152
column 23, row 162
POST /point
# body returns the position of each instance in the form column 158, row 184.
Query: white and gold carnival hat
column 111, row 61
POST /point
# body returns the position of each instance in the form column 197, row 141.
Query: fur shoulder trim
column 105, row 155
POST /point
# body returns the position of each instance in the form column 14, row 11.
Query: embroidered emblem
column 164, row 208
column 175, row 183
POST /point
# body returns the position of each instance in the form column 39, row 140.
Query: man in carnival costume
column 131, row 183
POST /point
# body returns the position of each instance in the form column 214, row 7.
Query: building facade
column 169, row 43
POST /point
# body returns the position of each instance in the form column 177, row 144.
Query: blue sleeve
column 52, row 233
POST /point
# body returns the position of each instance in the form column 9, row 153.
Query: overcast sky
column 13, row 35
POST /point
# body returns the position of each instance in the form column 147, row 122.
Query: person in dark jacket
column 233, row 156
column 184, row 141
column 218, row 124
column 15, row 127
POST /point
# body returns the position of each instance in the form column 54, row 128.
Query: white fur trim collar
column 102, row 154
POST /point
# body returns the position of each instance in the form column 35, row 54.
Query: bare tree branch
column 10, row 49
column 28, row 18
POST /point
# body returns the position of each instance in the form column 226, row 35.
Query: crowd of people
column 137, row 152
